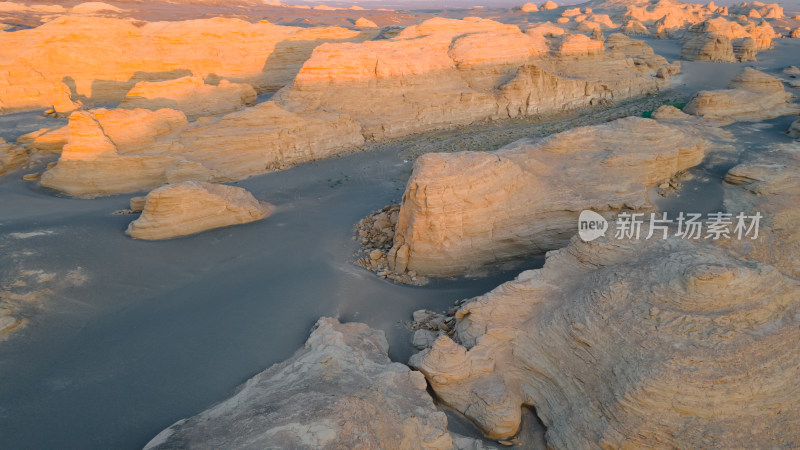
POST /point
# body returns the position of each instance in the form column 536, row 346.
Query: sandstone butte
column 751, row 96
column 447, row 72
column 99, row 59
column 632, row 343
column 461, row 211
column 191, row 207
column 340, row 390
column 433, row 75
column 720, row 39
column 191, row 95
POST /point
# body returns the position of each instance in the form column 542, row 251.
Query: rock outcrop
column 464, row 210
column 117, row 151
column 751, row 96
column 529, row 7
column 191, row 207
column 723, row 40
column 11, row 156
column 339, row 391
column 645, row 342
column 624, row 343
column 634, row 28
column 761, row 9
column 100, row 59
column 191, row 95
column 446, row 72
column 549, row 4
column 433, row 75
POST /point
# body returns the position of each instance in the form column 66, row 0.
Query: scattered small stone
column 31, row 176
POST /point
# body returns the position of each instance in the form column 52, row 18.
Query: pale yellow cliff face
column 100, row 59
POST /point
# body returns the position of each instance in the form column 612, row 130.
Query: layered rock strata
column 191, row 207
column 609, row 360
column 464, row 210
column 624, row 343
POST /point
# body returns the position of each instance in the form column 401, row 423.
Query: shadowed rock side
column 446, row 72
column 191, row 207
column 751, row 96
column 465, row 210
column 96, row 59
column 191, row 95
column 339, row 391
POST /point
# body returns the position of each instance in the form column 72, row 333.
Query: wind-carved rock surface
column 624, row 343
column 96, row 59
column 607, row 359
column 751, row 96
column 191, row 207
column 191, row 95
column 769, row 184
column 723, row 40
column 11, row 156
column 446, row 72
column 161, row 148
column 339, row 391
column 111, row 151
column 465, row 210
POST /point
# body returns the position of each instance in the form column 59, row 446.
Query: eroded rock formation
column 446, row 72
column 464, row 210
column 98, row 59
column 623, row 343
column 751, row 96
column 116, row 151
column 191, row 207
column 794, row 129
column 640, row 342
column 723, row 40
column 339, row 391
column 191, row 95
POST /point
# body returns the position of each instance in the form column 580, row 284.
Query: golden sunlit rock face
column 99, row 59
column 191, row 207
